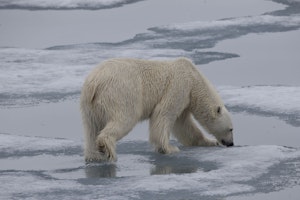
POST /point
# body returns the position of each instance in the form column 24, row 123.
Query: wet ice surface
column 41, row 135
column 35, row 167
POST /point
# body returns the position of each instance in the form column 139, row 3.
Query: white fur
column 121, row 92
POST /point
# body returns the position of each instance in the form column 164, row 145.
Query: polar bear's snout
column 227, row 143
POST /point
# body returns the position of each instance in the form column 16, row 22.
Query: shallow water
column 249, row 50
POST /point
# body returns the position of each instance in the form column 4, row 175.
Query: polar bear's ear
column 219, row 110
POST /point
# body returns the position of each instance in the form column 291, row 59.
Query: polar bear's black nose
column 228, row 144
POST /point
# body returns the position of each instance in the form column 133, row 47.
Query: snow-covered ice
column 63, row 4
column 280, row 101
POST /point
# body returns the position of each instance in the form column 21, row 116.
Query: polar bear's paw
column 106, row 147
column 209, row 142
column 168, row 149
column 93, row 156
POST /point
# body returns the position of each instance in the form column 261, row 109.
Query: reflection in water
column 173, row 165
column 100, row 170
column 179, row 164
column 167, row 169
column 183, row 162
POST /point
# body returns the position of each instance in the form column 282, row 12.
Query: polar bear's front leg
column 188, row 134
column 160, row 129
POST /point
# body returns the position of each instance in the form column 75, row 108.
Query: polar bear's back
column 131, row 84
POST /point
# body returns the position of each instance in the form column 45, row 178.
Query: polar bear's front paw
column 209, row 142
column 168, row 149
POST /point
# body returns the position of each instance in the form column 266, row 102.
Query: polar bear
column 172, row 94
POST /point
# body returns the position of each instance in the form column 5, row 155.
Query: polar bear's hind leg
column 112, row 132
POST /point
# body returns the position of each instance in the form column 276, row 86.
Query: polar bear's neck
column 204, row 99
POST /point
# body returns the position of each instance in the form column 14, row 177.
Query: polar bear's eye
column 231, row 129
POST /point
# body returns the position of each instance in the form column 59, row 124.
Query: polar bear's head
column 221, row 126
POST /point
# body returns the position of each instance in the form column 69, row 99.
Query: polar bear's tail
column 92, row 126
